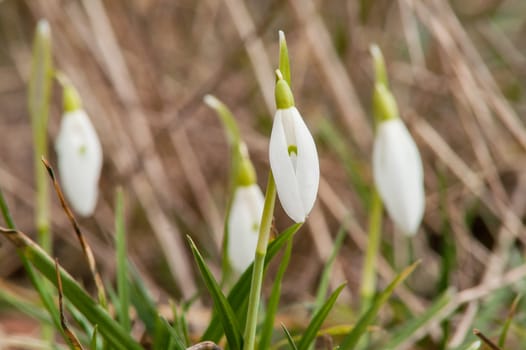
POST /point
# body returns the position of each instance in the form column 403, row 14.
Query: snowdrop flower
column 398, row 175
column 293, row 156
column 79, row 155
column 397, row 166
column 243, row 226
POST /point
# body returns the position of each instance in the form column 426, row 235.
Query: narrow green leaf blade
column 413, row 325
column 310, row 333
column 228, row 318
column 123, row 287
column 289, row 338
column 93, row 341
column 326, row 274
column 350, row 341
column 509, row 319
column 273, row 302
column 238, row 296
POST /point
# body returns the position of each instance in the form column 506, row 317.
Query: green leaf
column 413, row 325
column 273, row 302
column 326, row 274
column 109, row 329
column 350, row 341
column 180, row 325
column 23, row 305
column 289, row 338
column 93, row 342
column 157, row 327
column 312, row 330
column 238, row 296
column 509, row 319
column 123, row 286
column 228, row 318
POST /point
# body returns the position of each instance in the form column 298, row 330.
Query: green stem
column 42, row 189
column 368, row 286
column 259, row 264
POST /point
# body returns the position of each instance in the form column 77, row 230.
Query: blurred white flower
column 294, row 163
column 79, row 161
column 398, row 174
column 243, row 226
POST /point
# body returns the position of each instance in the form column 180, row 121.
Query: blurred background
column 142, row 67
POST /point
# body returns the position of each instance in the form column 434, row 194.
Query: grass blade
column 123, row 286
column 160, row 331
column 509, row 319
column 289, row 337
column 93, row 342
column 273, row 302
column 228, row 318
column 350, row 341
column 238, row 296
column 312, row 330
column 413, row 325
column 326, row 274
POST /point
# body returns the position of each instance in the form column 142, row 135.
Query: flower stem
column 368, row 286
column 38, row 105
column 259, row 264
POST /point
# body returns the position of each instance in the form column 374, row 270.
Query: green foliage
column 273, row 302
column 310, row 333
column 351, row 340
column 228, row 318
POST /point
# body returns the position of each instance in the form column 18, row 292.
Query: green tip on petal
column 379, row 65
column 71, row 98
column 246, row 174
column 384, row 104
column 284, row 97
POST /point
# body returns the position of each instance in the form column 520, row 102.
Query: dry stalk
column 86, row 249
column 69, row 334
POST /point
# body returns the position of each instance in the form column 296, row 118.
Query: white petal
column 307, row 164
column 398, row 174
column 243, row 226
column 79, row 161
column 283, row 170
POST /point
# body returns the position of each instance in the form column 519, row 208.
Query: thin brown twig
column 69, row 334
column 486, row 340
column 86, row 249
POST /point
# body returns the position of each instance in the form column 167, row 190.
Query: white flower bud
column 79, row 161
column 398, row 174
column 294, row 163
column 243, row 226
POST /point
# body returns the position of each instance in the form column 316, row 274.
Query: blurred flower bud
column 243, row 226
column 79, row 155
